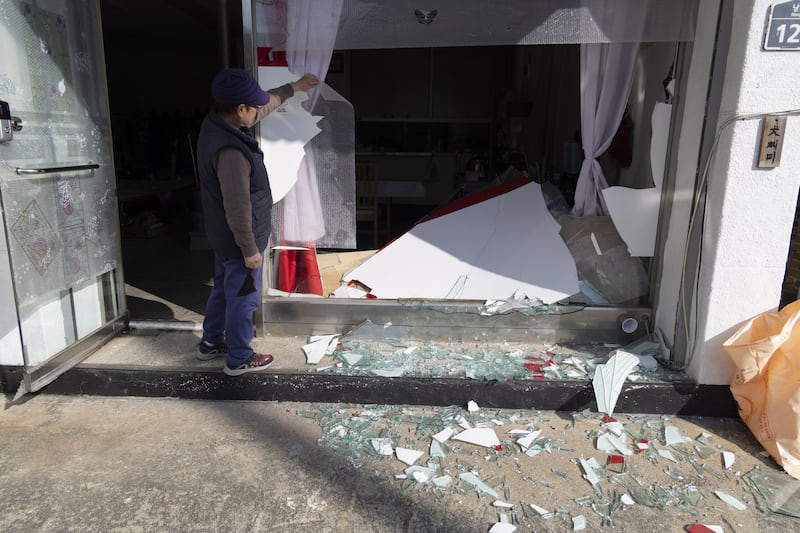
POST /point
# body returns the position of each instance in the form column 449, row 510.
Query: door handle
column 50, row 170
column 8, row 124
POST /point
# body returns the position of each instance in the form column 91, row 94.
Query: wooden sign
column 772, row 132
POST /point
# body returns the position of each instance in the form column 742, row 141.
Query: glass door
column 57, row 187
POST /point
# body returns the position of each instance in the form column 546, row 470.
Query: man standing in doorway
column 237, row 207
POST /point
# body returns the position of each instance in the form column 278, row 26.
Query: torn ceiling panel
column 285, row 132
column 505, row 245
column 405, row 24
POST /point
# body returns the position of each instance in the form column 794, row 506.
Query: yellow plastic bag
column 766, row 386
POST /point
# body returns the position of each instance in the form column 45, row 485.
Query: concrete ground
column 92, row 464
column 96, row 464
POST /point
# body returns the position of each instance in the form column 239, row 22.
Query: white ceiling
column 393, row 24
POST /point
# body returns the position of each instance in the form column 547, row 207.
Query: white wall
column 750, row 211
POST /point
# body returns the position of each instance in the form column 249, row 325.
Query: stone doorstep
column 664, row 398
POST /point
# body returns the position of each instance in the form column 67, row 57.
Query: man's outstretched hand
column 307, row 81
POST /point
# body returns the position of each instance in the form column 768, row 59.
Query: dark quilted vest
column 216, row 134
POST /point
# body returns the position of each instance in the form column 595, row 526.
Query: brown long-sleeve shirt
column 233, row 171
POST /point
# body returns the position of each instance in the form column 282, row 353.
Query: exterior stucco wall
column 749, row 211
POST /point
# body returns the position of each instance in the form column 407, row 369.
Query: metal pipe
column 223, row 34
column 249, row 55
column 165, row 325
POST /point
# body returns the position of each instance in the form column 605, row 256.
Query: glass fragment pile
column 656, row 466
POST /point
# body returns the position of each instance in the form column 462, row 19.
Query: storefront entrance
column 61, row 275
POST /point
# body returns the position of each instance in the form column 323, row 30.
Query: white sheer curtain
column 606, row 77
column 310, row 37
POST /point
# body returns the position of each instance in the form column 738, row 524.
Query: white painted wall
column 750, row 211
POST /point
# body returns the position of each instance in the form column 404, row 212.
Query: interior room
column 434, row 123
column 155, row 117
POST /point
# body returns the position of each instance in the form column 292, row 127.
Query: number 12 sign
column 783, row 27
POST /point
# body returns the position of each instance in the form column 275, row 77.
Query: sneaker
column 257, row 361
column 207, row 351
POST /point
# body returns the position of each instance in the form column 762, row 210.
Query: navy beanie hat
column 237, row 86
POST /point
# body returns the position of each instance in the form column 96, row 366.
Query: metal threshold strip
column 452, row 319
column 36, row 378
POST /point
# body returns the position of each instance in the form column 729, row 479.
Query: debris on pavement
column 596, row 490
column 318, row 347
column 775, row 491
column 609, row 378
column 485, row 437
column 387, row 350
column 730, row 500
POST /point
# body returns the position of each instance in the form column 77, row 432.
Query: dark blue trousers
column 229, row 312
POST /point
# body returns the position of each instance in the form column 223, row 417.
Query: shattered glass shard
column 541, row 511
column 730, row 500
column 318, row 347
column 383, row 446
column 407, row 456
column 666, row 454
column 437, row 449
column 542, row 444
column 673, row 436
column 590, row 473
column 675, row 474
column 420, row 474
column 705, row 451
column 502, row 504
column 692, row 495
column 639, row 493
column 610, row 443
column 526, row 441
column 475, row 481
column 479, row 436
column 780, row 491
column 609, row 379
column 442, row 481
column 728, row 458
column 616, row 463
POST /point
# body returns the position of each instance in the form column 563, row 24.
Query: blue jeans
column 229, row 312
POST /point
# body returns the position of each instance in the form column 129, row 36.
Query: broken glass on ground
column 318, row 347
column 609, row 378
column 730, row 500
column 391, row 351
column 779, row 491
column 509, row 476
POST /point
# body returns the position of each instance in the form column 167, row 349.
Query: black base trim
column 670, row 398
column 10, row 378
